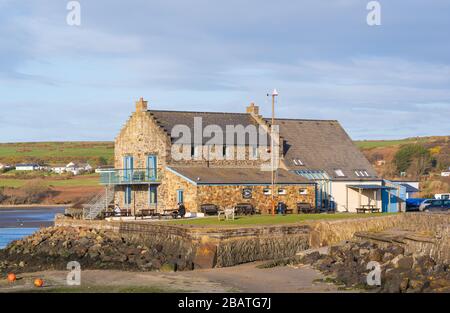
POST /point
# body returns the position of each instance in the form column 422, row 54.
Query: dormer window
column 357, row 173
column 339, row 173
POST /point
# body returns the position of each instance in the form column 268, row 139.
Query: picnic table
column 123, row 212
column 169, row 212
column 367, row 208
column 147, row 212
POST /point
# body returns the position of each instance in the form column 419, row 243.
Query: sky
column 60, row 82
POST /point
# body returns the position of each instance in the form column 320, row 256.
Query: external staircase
column 98, row 203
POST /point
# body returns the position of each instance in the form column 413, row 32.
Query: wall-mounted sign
column 247, row 193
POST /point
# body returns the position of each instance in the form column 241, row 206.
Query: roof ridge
column 300, row 119
column 241, row 113
column 181, row 111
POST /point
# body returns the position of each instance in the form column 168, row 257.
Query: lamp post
column 272, row 149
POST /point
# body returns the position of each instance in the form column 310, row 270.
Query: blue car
column 438, row 206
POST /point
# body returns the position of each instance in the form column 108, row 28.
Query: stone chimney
column 141, row 105
column 253, row 109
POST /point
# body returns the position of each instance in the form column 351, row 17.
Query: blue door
column 153, row 194
column 127, row 168
column 151, row 167
column 127, row 196
column 180, row 196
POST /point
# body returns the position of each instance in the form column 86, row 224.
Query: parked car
column 413, row 204
column 438, row 205
column 443, row 196
column 424, row 204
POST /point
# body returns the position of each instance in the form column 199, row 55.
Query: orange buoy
column 11, row 277
column 38, row 282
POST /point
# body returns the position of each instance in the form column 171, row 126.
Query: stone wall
column 227, row 246
column 171, row 184
column 229, row 196
column 330, row 232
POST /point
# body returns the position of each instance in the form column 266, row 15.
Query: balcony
column 129, row 176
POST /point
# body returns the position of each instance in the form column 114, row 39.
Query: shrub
column 35, row 190
column 414, row 158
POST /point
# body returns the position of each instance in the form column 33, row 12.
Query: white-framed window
column 282, row 191
column 295, row 161
column 299, row 162
column 303, row 191
column 357, row 173
column 366, row 174
column 339, row 173
column 267, row 191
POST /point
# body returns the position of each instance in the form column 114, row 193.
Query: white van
column 442, row 196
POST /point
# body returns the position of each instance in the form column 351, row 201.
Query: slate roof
column 322, row 145
column 234, row 175
column 169, row 119
column 318, row 144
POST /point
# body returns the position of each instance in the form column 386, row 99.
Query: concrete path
column 242, row 278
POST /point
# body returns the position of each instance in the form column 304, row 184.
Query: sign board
column 247, row 193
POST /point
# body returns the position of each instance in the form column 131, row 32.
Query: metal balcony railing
column 129, row 176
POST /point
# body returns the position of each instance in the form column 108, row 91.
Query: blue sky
column 61, row 82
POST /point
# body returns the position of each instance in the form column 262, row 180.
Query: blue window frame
column 153, row 194
column 152, row 166
column 180, row 196
column 128, row 167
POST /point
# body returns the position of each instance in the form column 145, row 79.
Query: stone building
column 158, row 166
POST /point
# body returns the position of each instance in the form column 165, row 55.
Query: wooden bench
column 289, row 211
column 367, row 208
column 305, row 208
column 147, row 212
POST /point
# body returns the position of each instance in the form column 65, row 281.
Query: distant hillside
column 52, row 153
column 385, row 156
column 379, row 152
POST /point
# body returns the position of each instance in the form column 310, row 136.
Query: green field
column 76, row 181
column 368, row 144
column 269, row 219
column 56, row 152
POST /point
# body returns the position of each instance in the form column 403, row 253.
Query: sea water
column 19, row 223
column 8, row 235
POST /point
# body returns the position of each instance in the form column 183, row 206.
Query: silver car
column 424, row 204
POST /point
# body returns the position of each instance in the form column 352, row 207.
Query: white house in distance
column 74, row 168
column 27, row 167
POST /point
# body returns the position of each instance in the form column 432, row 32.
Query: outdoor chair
column 228, row 213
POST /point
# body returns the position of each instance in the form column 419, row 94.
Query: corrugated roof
column 228, row 175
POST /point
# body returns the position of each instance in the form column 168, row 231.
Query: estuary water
column 16, row 223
